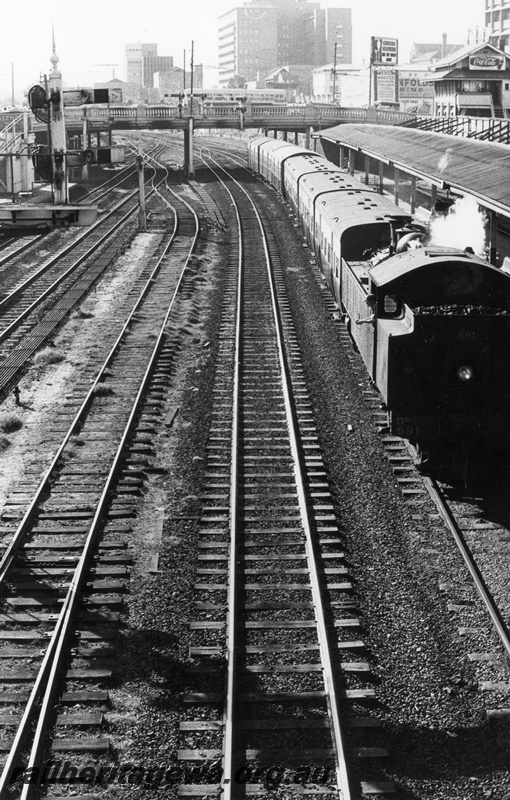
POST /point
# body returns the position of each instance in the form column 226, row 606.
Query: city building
column 262, row 35
column 175, row 81
column 404, row 87
column 474, row 81
column 330, row 27
column 429, row 53
column 348, row 84
column 295, row 79
column 497, row 22
column 119, row 92
column 142, row 62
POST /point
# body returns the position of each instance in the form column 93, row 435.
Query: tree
column 237, row 82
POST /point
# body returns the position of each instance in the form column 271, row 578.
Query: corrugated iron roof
column 474, row 168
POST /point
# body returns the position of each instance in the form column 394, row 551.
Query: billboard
column 383, row 50
column 487, row 59
column 385, row 86
column 412, row 85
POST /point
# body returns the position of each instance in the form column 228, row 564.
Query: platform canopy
column 470, row 167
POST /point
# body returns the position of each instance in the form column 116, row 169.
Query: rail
column 41, row 699
column 115, row 218
column 470, row 561
column 237, row 488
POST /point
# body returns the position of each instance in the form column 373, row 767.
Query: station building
column 474, row 81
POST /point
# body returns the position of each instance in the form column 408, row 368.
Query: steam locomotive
column 436, row 343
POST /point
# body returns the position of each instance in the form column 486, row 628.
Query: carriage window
column 392, row 306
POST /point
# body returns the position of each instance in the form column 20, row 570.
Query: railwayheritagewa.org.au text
column 67, row 773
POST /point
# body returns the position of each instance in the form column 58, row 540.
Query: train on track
column 432, row 324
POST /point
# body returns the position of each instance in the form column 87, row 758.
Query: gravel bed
column 440, row 743
column 146, row 705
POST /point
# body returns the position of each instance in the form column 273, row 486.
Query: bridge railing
column 13, row 128
column 309, row 114
column 488, row 129
column 12, row 136
column 112, row 113
column 262, row 115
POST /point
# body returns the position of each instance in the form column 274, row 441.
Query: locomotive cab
column 442, row 361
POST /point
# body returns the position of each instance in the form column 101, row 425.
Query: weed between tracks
column 102, row 391
column 9, row 423
column 48, row 355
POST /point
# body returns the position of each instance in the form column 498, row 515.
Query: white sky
column 94, row 32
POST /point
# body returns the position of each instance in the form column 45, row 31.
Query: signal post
column 57, row 133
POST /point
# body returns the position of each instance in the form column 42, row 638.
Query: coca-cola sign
column 486, row 62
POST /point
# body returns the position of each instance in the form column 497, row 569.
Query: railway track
column 278, row 718
column 32, row 310
column 277, row 638
column 64, row 559
column 16, row 245
column 12, row 247
column 477, row 520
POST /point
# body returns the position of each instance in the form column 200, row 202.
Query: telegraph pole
column 191, row 165
column 191, row 80
column 142, row 220
column 334, row 73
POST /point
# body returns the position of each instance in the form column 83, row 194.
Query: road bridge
column 290, row 117
column 96, row 122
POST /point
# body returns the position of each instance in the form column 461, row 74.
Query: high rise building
column 330, row 27
column 142, row 61
column 256, row 38
column 497, row 23
column 247, row 42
